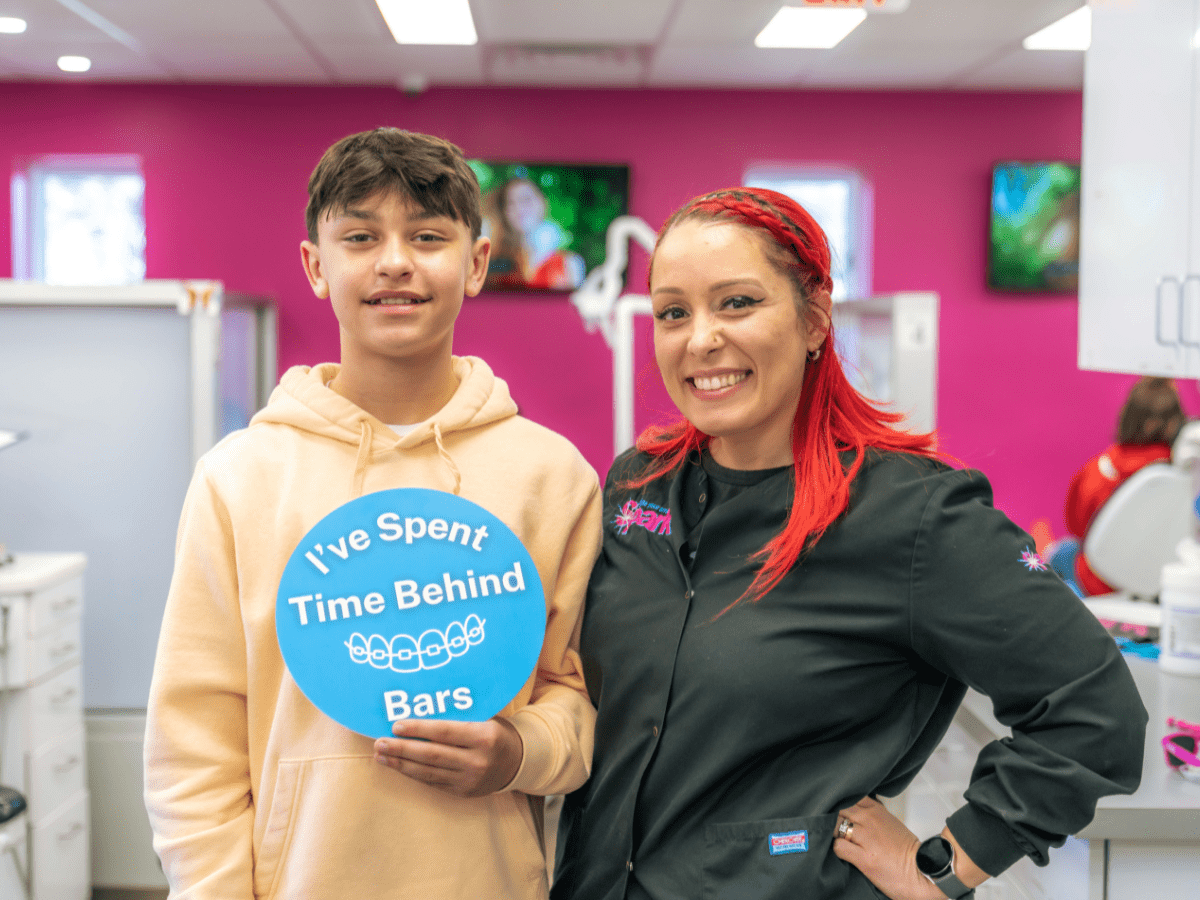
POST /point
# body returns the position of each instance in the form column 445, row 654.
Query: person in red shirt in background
column 1146, row 429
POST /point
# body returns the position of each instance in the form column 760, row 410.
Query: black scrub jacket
column 726, row 744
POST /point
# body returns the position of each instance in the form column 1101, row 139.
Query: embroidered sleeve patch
column 788, row 842
column 1032, row 561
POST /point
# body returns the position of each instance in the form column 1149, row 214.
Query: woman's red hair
column 831, row 418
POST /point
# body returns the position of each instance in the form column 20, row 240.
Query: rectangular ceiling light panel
column 888, row 6
column 818, row 28
column 1071, row 32
column 421, row 22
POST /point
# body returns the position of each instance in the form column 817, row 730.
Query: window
column 838, row 199
column 79, row 220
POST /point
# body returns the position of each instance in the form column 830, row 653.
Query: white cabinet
column 1139, row 280
column 41, row 727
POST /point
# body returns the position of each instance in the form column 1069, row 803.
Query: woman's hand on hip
column 881, row 847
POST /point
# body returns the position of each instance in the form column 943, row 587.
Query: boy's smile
column 396, row 278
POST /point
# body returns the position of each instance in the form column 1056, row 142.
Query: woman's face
column 523, row 206
column 730, row 339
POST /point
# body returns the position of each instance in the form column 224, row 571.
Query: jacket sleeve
column 987, row 612
column 558, row 725
column 196, row 752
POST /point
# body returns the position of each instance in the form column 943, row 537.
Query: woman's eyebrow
column 722, row 285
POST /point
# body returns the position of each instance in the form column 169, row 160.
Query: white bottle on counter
column 1180, row 602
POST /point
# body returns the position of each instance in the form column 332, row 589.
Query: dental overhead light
column 12, row 25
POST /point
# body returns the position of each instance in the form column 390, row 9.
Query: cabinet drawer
column 29, row 658
column 60, row 854
column 55, row 707
column 55, row 604
column 56, row 773
column 54, row 648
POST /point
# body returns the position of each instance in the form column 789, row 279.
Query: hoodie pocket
column 779, row 859
column 278, row 829
column 347, row 826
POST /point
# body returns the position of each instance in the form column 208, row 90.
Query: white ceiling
column 933, row 45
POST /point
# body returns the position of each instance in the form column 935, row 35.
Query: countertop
column 1166, row 807
column 29, row 571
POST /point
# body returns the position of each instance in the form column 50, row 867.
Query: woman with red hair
column 792, row 598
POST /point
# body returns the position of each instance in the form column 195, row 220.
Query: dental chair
column 1149, row 521
column 1139, row 527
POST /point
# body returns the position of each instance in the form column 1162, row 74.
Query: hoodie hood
column 304, row 401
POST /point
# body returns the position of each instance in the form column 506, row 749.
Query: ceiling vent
column 562, row 64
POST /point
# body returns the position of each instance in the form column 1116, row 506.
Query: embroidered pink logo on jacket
column 653, row 518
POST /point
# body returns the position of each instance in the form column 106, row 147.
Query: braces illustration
column 404, row 653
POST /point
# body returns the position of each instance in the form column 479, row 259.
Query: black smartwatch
column 935, row 860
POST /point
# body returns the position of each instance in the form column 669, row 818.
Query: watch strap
column 949, row 885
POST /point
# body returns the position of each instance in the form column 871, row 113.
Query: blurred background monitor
column 547, row 221
column 1033, row 228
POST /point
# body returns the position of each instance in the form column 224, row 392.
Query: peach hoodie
column 253, row 792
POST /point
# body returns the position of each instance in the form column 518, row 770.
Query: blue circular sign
column 410, row 603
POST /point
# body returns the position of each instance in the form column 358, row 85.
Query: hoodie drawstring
column 365, row 435
column 446, row 458
column 364, row 455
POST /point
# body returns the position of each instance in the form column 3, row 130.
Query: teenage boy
column 252, row 791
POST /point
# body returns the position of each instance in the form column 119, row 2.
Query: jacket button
column 629, row 865
column 689, row 595
column 703, row 497
column 655, row 730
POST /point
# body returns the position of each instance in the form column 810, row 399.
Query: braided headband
column 787, row 221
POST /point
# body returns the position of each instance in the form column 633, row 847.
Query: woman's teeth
column 721, row 381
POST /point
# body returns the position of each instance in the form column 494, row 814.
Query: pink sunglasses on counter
column 1180, row 749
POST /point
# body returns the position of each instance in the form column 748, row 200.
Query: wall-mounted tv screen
column 1033, row 232
column 547, row 221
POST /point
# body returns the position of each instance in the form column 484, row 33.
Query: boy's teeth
column 395, row 301
column 722, row 381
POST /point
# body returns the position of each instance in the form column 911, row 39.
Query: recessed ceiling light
column 423, row 22
column 74, row 63
column 1071, row 32
column 11, row 25
column 817, row 29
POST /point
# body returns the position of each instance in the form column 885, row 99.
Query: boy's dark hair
column 428, row 171
column 1151, row 414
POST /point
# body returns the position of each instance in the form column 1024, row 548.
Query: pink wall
column 226, row 170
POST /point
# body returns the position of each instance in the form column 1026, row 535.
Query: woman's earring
column 814, row 355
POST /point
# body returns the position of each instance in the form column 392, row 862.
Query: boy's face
column 396, row 277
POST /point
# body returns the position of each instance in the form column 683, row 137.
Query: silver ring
column 845, row 829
